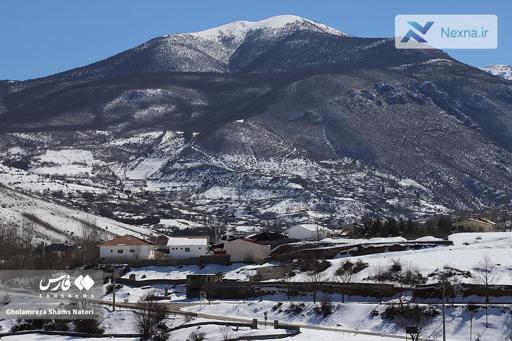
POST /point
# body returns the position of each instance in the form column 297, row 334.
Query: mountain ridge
column 291, row 115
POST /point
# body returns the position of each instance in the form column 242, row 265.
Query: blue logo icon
column 421, row 29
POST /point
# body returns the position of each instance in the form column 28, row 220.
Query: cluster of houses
column 254, row 247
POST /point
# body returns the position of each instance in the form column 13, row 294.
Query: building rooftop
column 313, row 227
column 126, row 240
column 183, row 241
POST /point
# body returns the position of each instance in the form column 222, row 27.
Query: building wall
column 186, row 251
column 298, row 232
column 474, row 226
column 127, row 252
column 244, row 251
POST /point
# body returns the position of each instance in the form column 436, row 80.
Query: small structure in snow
column 253, row 248
column 309, row 232
column 475, row 225
column 61, row 250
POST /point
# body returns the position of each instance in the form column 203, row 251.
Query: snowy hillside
column 500, row 70
column 55, row 223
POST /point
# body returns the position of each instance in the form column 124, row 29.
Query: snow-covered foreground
column 123, row 322
column 361, row 317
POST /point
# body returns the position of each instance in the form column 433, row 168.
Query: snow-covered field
column 70, row 162
column 468, row 250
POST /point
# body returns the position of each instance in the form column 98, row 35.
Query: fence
column 202, row 260
column 237, row 290
column 240, row 290
column 321, row 251
column 144, row 282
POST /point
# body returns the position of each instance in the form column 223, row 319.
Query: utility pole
column 444, row 319
column 114, row 288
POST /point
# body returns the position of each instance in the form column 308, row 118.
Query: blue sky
column 39, row 38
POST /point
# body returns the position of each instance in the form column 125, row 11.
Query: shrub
column 27, row 325
column 59, row 325
column 197, row 336
column 295, row 308
column 110, row 288
column 359, row 266
column 89, row 326
column 312, row 265
column 396, row 266
column 277, row 306
column 5, row 300
column 409, row 311
column 325, row 308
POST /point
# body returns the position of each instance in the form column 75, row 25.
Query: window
column 120, row 251
column 199, row 248
column 111, row 250
column 187, row 249
column 132, row 250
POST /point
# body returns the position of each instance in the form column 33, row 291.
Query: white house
column 126, row 248
column 186, row 247
column 308, row 232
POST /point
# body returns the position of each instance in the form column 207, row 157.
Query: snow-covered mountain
column 500, row 70
column 278, row 119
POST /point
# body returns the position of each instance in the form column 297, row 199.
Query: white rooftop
column 313, row 227
column 183, row 241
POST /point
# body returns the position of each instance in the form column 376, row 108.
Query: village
column 319, row 271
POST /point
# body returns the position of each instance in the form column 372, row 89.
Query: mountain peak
column 238, row 29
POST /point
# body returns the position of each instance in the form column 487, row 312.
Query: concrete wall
column 474, row 226
column 302, row 233
column 244, row 251
column 185, row 251
column 127, row 252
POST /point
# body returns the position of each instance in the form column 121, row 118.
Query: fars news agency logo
column 63, row 283
column 443, row 31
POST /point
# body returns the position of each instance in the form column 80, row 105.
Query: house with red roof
column 126, row 248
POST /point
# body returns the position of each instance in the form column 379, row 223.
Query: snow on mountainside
column 238, row 30
column 55, row 223
column 500, row 70
column 221, row 42
column 265, row 121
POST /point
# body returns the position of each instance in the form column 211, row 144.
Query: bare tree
column 88, row 242
column 26, row 241
column 148, row 317
column 288, row 282
column 314, row 279
column 414, row 315
column 344, row 275
column 226, row 333
column 486, row 274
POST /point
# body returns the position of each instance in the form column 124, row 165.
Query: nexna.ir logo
column 417, row 27
column 443, row 31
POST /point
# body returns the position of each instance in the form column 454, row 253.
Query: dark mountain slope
column 288, row 102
